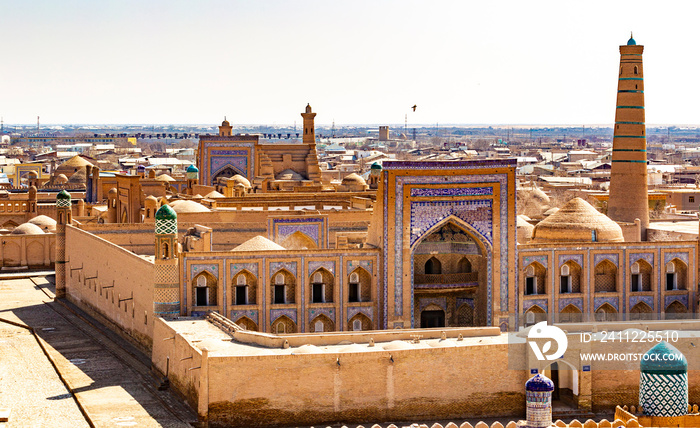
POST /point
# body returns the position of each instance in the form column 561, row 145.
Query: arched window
column 279, row 290
column 636, row 70
column 565, row 284
column 671, row 283
column 318, row 288
column 530, row 281
column 354, row 290
column 635, row 278
column 318, row 326
column 318, row 278
column 241, row 290
column 464, row 266
column 357, row 325
column 166, row 250
column 433, row 266
column 281, row 328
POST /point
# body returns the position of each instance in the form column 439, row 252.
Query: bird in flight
column 414, row 107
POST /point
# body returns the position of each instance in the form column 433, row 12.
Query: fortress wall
column 100, row 273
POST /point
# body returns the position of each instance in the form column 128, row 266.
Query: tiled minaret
column 628, row 176
column 63, row 217
column 166, row 288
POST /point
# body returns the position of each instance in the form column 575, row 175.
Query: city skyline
column 465, row 64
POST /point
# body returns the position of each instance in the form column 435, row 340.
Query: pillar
column 166, row 287
column 63, row 218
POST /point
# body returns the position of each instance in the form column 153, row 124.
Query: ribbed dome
column 575, row 222
column 27, row 229
column 375, row 166
column 539, row 382
column 192, row 168
column 289, row 174
column 63, row 195
column 166, row 213
column 353, row 179
column 664, row 358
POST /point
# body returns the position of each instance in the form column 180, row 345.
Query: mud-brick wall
column 112, row 282
column 430, row 383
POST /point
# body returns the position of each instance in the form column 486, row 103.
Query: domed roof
column 44, row 222
column 259, row 243
column 664, row 358
column 631, row 41
column 550, row 211
column 79, row 177
column 187, row 206
column 61, row 179
column 164, row 177
column 538, row 195
column 539, row 383
column 239, row 179
column 192, row 168
column 214, row 194
column 27, row 229
column 289, row 174
column 63, row 195
column 375, row 166
column 525, row 229
column 353, row 179
column 32, row 175
column 225, row 123
column 152, row 198
column 575, row 222
column 75, row 162
column 166, row 213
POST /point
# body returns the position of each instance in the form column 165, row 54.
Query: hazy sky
column 260, row 62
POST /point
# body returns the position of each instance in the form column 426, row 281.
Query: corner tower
column 628, row 175
column 166, row 287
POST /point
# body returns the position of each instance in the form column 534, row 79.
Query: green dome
column 376, row 166
column 63, row 195
column 664, row 358
column 166, row 213
column 192, row 168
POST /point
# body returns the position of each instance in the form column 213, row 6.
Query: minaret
column 192, row 178
column 166, row 287
column 309, row 131
column 313, row 170
column 628, row 176
column 63, row 217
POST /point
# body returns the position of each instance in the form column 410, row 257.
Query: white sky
column 260, row 62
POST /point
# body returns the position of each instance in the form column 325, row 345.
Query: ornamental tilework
column 663, row 395
column 423, row 165
column 251, row 313
column 310, row 230
column 289, row 266
column 647, row 257
column 329, row 265
column 367, row 310
column 464, row 301
column 63, row 203
column 452, row 191
column 649, row 300
column 425, row 215
column 501, row 179
column 250, row 267
column 166, row 274
column 542, row 303
column 600, row 301
column 613, row 258
column 527, row 260
column 577, row 258
column 365, row 264
column 166, row 227
column 289, row 313
column 329, row 312
column 385, row 245
column 425, row 302
column 578, row 302
column 219, row 156
column 197, row 269
column 682, row 299
column 670, row 256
